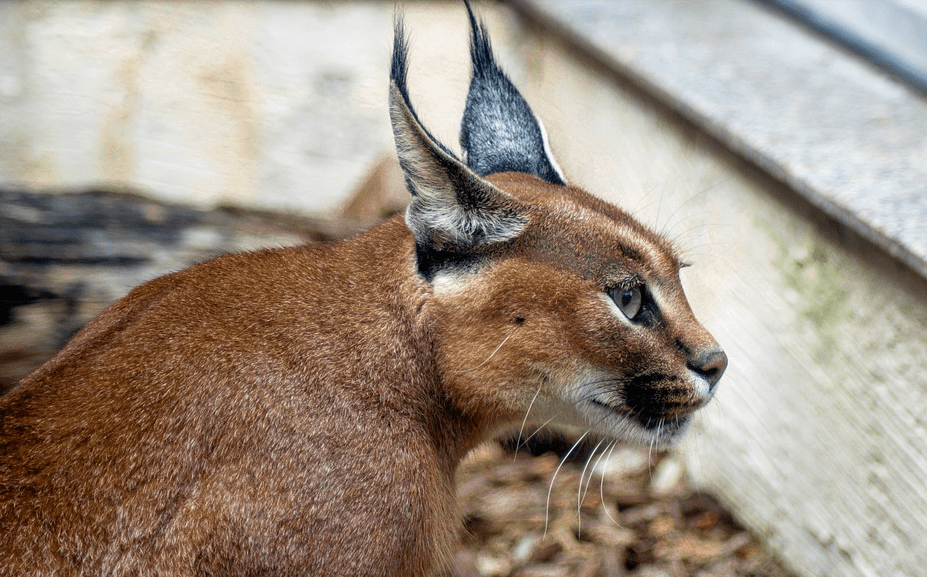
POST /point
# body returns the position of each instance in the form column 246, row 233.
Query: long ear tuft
column 499, row 132
column 399, row 73
column 453, row 211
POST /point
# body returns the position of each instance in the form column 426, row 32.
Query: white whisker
column 595, row 466
column 538, row 430
column 666, row 225
column 580, row 494
column 554, row 478
column 525, row 420
column 496, row 350
column 650, row 454
column 602, row 488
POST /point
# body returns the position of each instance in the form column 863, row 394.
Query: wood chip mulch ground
column 637, row 516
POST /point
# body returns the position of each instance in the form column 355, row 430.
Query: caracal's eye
column 629, row 300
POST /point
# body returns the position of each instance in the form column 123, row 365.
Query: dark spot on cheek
column 519, row 320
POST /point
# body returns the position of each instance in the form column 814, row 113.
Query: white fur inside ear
column 438, row 210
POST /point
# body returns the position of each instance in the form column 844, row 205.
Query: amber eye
column 629, row 300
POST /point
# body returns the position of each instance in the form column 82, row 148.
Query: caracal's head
column 552, row 305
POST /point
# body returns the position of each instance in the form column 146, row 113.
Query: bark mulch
column 637, row 516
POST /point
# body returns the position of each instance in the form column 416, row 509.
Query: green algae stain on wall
column 816, row 275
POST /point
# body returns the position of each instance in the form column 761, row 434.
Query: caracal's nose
column 710, row 364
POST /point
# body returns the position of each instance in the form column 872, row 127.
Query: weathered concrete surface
column 817, row 436
column 273, row 104
column 847, row 137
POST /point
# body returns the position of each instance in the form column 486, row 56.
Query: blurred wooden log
column 64, row 257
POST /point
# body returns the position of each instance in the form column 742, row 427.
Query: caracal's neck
column 383, row 267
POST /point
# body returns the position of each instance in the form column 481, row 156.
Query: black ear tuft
column 399, row 73
column 499, row 132
column 454, row 213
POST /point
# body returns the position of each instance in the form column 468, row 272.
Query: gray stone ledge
column 834, row 128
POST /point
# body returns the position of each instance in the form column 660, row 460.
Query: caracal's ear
column 499, row 132
column 453, row 211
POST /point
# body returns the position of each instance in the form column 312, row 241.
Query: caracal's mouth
column 662, row 426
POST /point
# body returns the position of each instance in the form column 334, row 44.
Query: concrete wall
column 274, row 104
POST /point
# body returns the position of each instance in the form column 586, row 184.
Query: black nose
column 709, row 364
